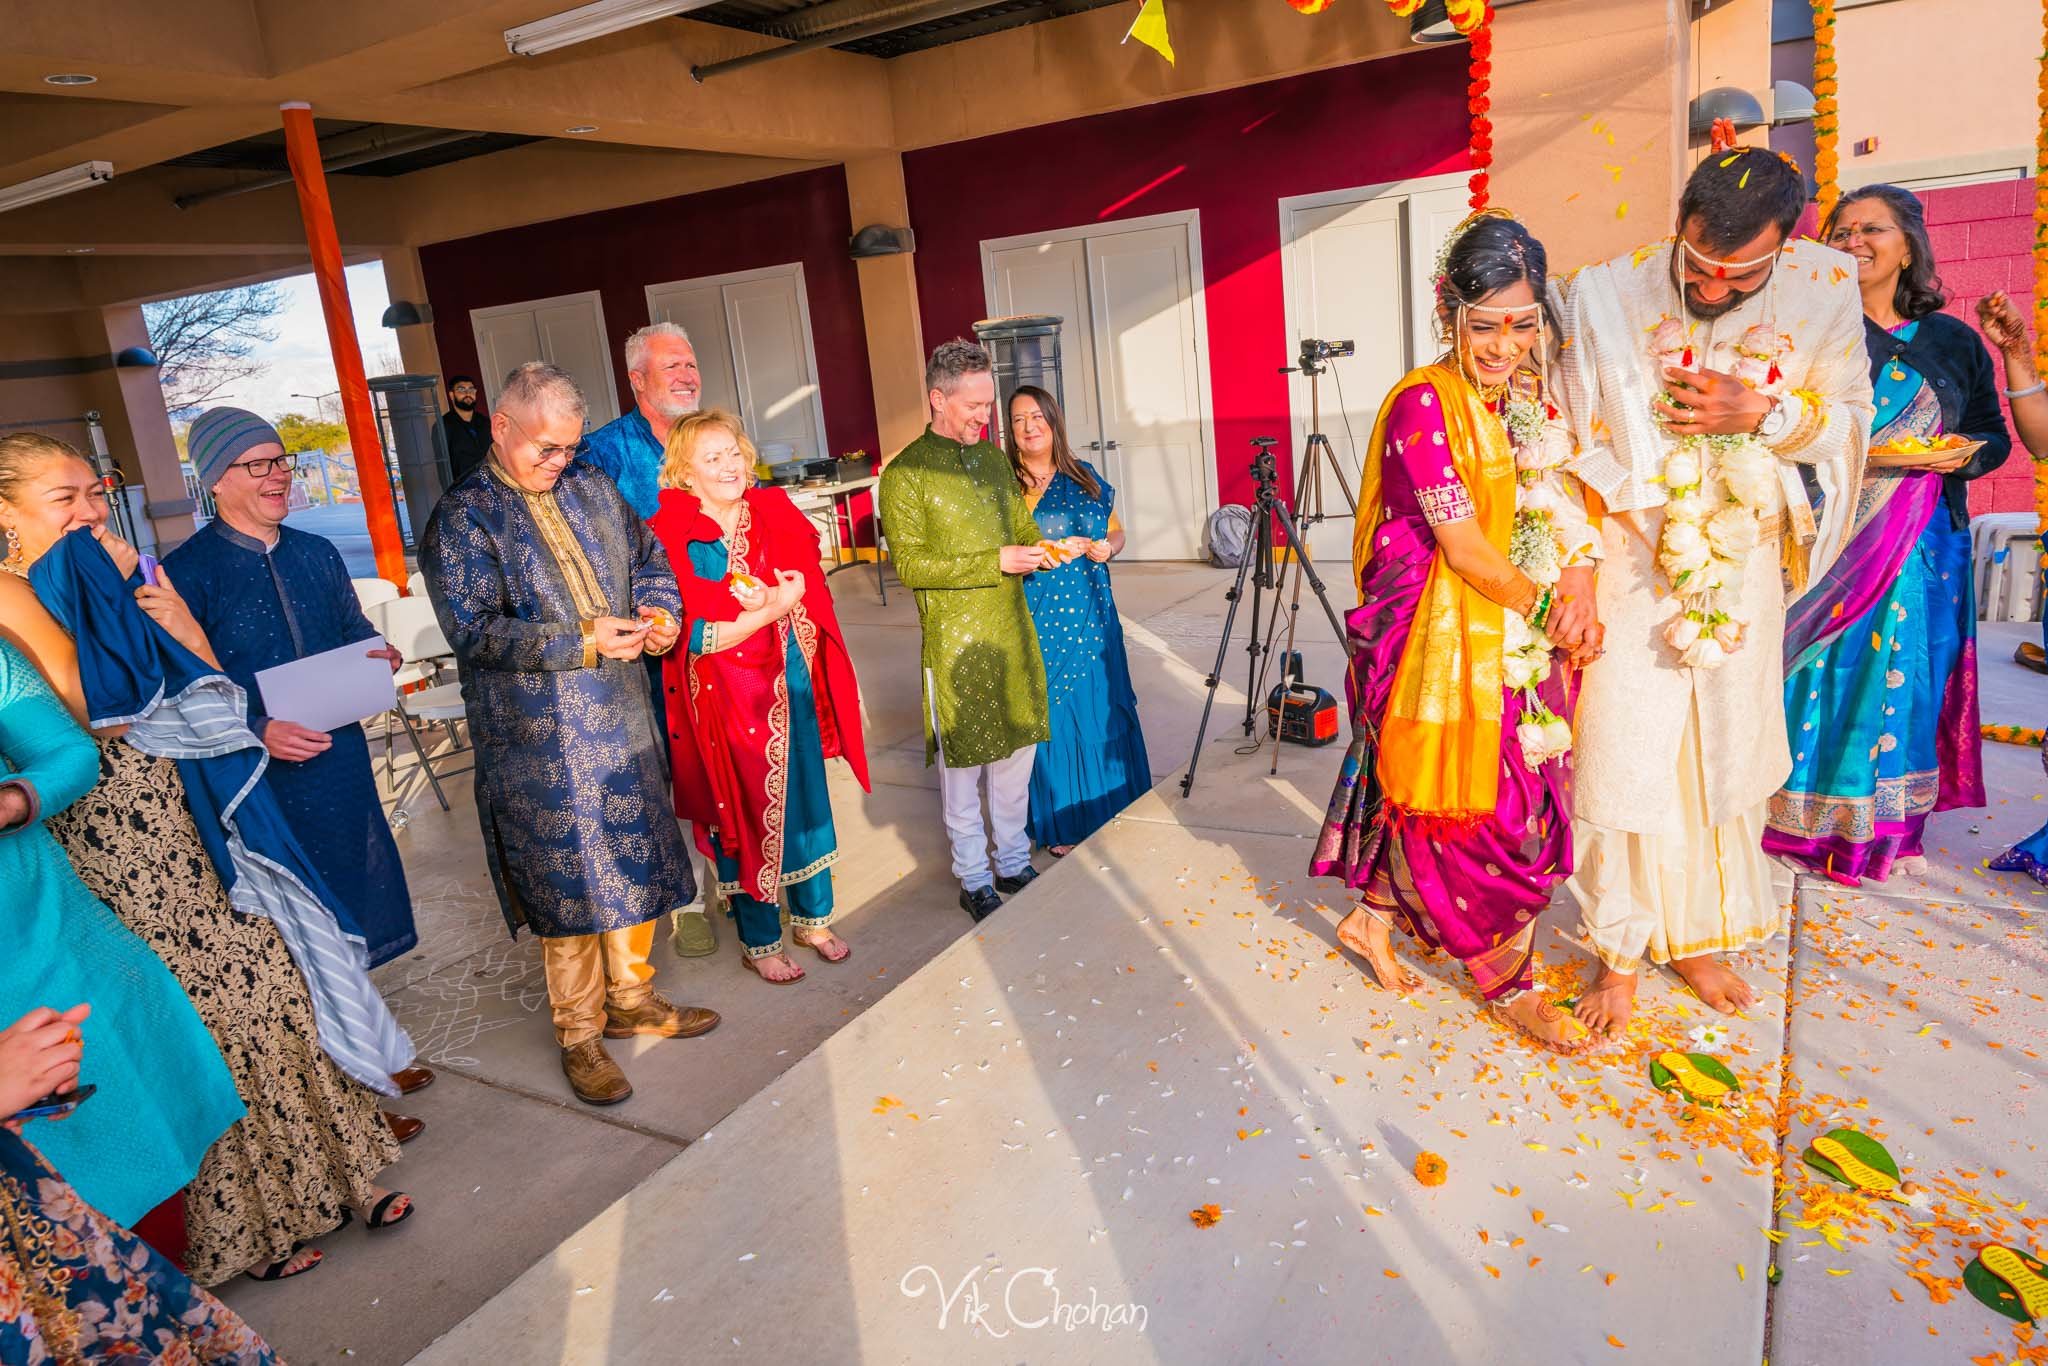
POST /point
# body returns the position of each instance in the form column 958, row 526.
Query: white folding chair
column 417, row 584
column 374, row 592
column 410, row 626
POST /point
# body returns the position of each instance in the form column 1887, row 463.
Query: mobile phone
column 54, row 1104
column 148, row 568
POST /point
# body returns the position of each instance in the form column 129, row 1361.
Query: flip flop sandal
column 748, row 964
column 845, row 951
column 277, row 1271
column 377, row 1222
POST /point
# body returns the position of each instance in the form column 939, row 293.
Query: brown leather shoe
column 593, row 1076
column 404, row 1128
column 660, row 1017
column 414, row 1078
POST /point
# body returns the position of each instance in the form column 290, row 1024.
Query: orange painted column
column 302, row 146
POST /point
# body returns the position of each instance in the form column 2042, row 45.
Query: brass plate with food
column 1913, row 453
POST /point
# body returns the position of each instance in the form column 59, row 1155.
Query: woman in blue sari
column 1881, row 652
column 1094, row 765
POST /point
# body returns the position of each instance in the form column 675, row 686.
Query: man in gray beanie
column 267, row 594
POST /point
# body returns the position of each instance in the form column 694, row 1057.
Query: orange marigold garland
column 2041, row 259
column 1827, row 166
column 1309, row 6
column 1479, row 103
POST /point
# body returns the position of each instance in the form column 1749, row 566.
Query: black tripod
column 1257, row 565
column 1308, row 507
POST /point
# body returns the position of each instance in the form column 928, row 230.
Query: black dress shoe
column 1010, row 886
column 981, row 903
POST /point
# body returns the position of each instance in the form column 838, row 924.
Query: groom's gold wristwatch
column 1775, row 421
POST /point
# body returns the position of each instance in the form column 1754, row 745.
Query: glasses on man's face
column 264, row 468
column 546, row 452
column 463, row 391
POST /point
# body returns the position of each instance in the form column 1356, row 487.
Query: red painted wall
column 1231, row 155
column 801, row 217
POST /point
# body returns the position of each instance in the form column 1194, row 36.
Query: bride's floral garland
column 1541, row 447
column 1718, row 491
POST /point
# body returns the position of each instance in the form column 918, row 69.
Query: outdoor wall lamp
column 135, row 358
column 878, row 240
column 1791, row 102
column 405, row 313
column 1729, row 102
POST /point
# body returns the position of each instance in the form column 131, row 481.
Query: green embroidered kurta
column 949, row 510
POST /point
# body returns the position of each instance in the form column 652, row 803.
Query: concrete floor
column 1163, row 1023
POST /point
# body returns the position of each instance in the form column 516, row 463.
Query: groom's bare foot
column 1605, row 1006
column 1542, row 1021
column 1714, row 982
column 1366, row 935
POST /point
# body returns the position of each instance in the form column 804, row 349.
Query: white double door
column 752, row 335
column 1358, row 266
column 1134, row 364
column 566, row 330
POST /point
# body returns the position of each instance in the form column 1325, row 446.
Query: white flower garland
column 1541, row 446
column 1718, row 491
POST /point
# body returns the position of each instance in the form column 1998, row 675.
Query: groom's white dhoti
column 1673, row 766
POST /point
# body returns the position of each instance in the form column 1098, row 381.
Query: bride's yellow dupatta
column 1440, row 739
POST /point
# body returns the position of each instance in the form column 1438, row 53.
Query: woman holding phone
column 85, row 1288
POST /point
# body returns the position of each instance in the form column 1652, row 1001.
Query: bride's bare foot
column 1542, row 1021
column 1714, row 982
column 1366, row 935
column 1605, row 1006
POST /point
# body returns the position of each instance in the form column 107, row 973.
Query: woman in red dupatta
column 761, row 697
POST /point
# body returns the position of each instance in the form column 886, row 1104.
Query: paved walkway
column 985, row 1144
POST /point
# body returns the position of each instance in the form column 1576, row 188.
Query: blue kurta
column 579, row 828
column 1094, row 765
column 164, row 1093
column 261, row 607
column 627, row 449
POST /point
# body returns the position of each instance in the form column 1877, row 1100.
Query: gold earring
column 13, row 544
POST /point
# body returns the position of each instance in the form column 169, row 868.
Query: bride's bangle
column 2036, row 387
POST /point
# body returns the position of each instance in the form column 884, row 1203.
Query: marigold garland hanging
column 1309, row 6
column 2041, row 259
column 1827, row 166
column 1479, row 103
column 1466, row 16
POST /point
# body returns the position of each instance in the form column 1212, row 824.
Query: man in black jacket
column 466, row 427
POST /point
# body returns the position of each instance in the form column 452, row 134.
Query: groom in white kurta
column 1674, row 765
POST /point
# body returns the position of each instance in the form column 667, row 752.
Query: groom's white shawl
column 1638, row 700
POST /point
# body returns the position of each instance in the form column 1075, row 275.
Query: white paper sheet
column 331, row 689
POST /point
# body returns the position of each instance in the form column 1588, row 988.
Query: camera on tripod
column 1316, row 355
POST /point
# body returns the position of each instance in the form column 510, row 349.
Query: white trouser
column 1009, row 803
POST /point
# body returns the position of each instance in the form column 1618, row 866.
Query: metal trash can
column 1026, row 350
column 409, row 412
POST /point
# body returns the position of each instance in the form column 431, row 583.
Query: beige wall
column 1948, row 87
column 1589, row 108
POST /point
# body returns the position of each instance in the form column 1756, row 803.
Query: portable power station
column 1299, row 712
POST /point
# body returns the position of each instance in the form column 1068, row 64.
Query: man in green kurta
column 962, row 540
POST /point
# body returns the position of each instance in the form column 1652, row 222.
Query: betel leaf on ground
column 1706, row 1064
column 1994, row 1293
column 1862, row 1147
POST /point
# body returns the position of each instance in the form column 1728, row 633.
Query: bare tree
column 206, row 342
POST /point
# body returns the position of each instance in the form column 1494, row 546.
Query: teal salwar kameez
column 810, row 844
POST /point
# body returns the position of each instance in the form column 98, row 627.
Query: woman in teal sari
column 1094, row 765
column 164, row 1094
column 1881, row 652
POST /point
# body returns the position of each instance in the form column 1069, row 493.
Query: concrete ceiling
column 185, row 99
